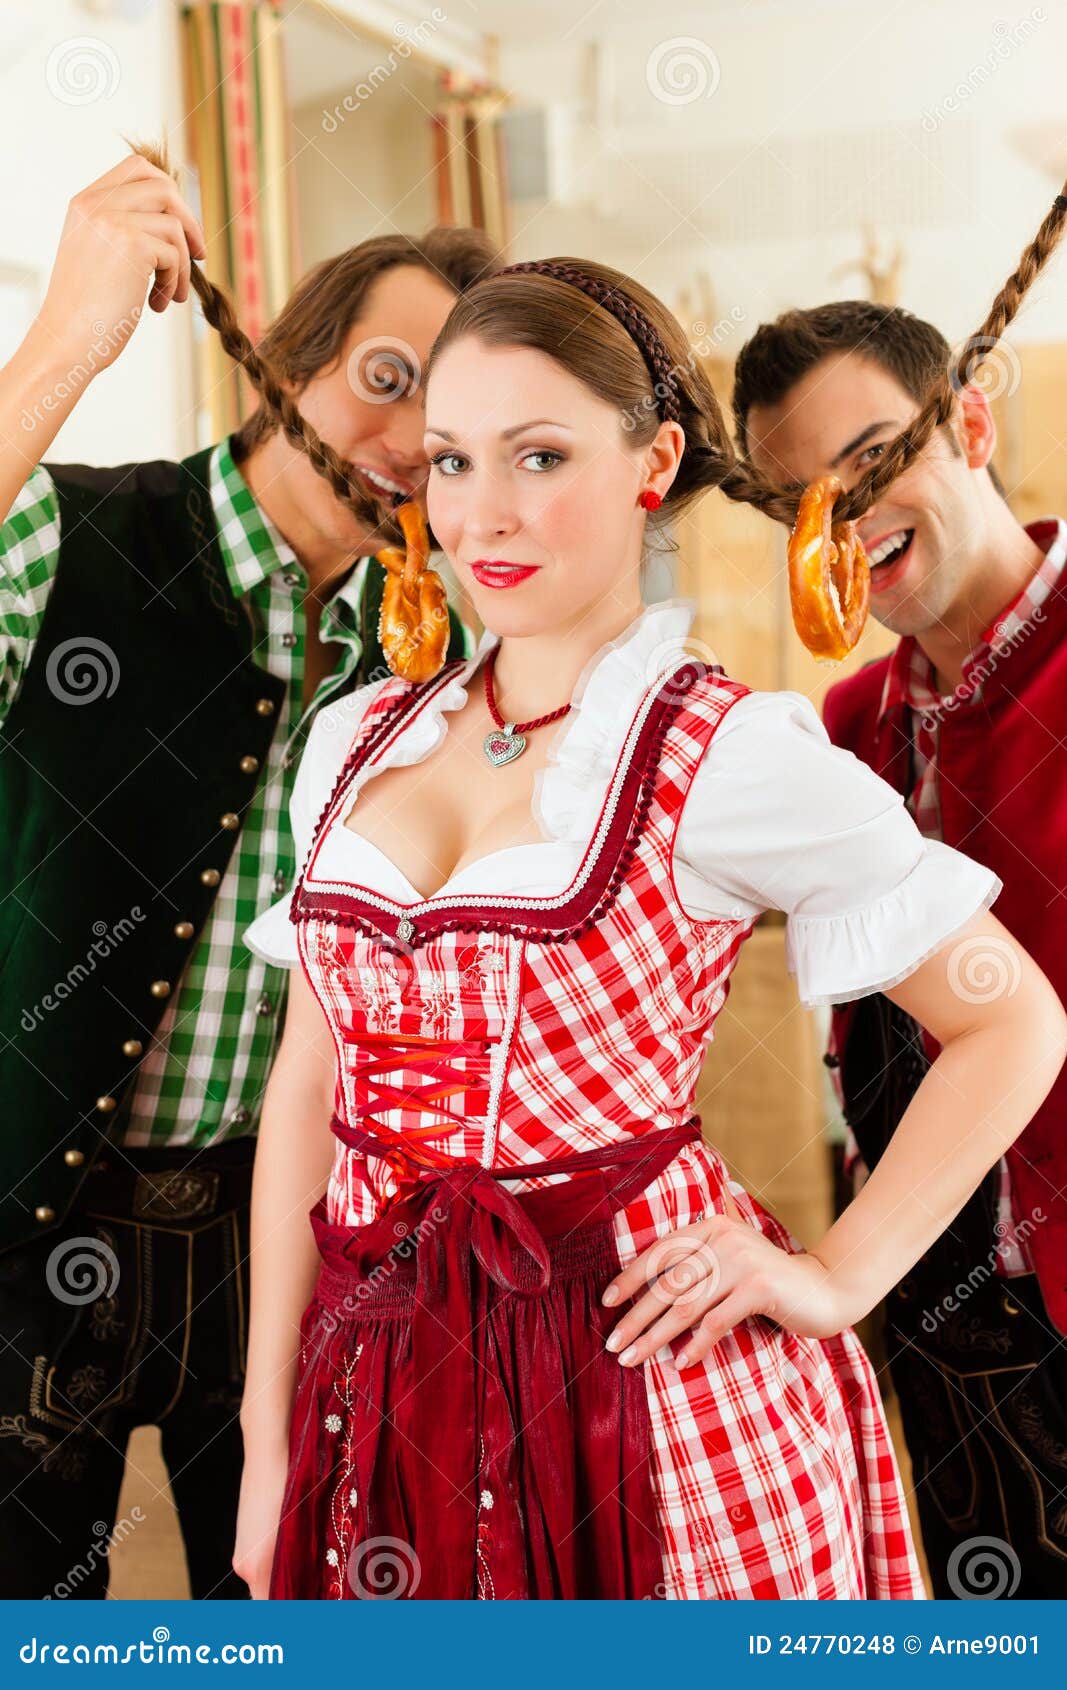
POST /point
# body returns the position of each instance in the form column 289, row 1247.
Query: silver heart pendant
column 503, row 745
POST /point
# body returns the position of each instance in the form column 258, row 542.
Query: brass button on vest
column 160, row 988
column 249, row 765
column 183, row 929
column 106, row 1105
column 229, row 820
column 210, row 876
column 132, row 1047
column 74, row 1158
column 44, row 1213
column 264, row 706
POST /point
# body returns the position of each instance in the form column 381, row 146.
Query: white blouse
column 777, row 817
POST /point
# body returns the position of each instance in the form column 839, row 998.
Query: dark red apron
column 459, row 1429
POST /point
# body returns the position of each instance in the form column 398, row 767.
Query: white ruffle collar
column 567, row 792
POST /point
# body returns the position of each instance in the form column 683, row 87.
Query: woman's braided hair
column 682, row 395
column 681, row 391
column 745, row 485
column 352, row 490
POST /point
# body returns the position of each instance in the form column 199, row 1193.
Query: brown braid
column 743, row 484
column 342, row 477
column 736, row 478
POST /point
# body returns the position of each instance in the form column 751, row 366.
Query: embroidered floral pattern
column 104, row 1319
column 486, row 1588
column 440, row 1004
column 86, row 1385
column 345, row 1498
column 68, row 1458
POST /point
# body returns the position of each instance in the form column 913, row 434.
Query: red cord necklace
column 507, row 740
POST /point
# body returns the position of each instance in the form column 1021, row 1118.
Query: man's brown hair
column 309, row 333
column 782, row 353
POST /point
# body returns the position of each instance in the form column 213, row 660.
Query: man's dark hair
column 781, row 353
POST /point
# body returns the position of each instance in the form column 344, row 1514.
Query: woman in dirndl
column 537, row 1342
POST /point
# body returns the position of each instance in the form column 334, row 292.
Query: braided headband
column 632, row 318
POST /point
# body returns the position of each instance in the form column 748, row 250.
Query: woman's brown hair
column 631, row 368
column 625, row 366
column 634, row 368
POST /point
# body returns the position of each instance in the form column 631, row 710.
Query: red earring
column 649, row 501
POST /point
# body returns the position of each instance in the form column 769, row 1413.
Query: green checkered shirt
column 203, row 1076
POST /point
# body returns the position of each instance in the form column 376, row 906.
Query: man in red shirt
column 967, row 718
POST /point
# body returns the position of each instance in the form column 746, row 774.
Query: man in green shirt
column 167, row 635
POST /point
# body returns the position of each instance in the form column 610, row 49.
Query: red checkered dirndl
column 490, row 1040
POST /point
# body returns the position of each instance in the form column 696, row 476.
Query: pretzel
column 829, row 576
column 413, row 626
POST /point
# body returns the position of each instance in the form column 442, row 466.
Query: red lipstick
column 492, row 572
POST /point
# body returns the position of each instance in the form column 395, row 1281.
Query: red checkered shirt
column 911, row 687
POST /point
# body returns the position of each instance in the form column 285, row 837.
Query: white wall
column 64, row 110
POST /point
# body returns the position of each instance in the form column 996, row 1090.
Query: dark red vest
column 1003, row 788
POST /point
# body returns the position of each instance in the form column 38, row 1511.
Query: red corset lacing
column 411, row 1153
column 477, row 1224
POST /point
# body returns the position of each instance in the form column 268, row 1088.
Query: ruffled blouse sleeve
column 272, row 935
column 778, row 817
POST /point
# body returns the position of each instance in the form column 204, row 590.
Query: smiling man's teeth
column 892, row 543
column 382, row 481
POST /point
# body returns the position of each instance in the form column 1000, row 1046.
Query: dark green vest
column 118, row 762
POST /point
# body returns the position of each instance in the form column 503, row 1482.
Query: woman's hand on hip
column 701, row 1280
